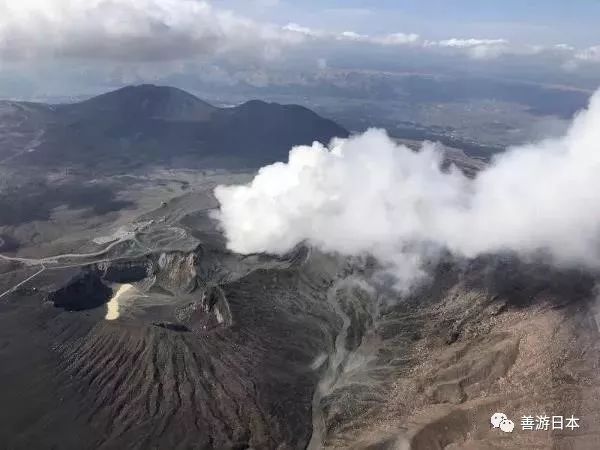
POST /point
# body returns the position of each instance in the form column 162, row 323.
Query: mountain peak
column 149, row 101
column 147, row 123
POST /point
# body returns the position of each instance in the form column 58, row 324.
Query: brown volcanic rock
column 495, row 336
column 222, row 351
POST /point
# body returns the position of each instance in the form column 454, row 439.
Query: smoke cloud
column 368, row 195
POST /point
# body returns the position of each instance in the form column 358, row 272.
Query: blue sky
column 534, row 21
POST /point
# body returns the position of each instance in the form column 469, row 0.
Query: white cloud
column 385, row 39
column 147, row 31
column 475, row 48
column 470, row 43
column 590, row 54
column 131, row 30
column 396, row 39
column 564, row 47
column 367, row 194
column 581, row 58
column 295, row 28
column 352, row 36
column 494, row 48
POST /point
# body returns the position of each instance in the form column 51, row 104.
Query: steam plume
column 366, row 194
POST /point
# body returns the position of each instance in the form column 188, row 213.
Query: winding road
column 43, row 262
column 55, row 259
column 53, row 262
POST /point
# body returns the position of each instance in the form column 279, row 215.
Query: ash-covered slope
column 215, row 350
column 484, row 336
column 148, row 124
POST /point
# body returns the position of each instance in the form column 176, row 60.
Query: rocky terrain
column 210, row 349
column 126, row 323
column 206, row 356
column 488, row 335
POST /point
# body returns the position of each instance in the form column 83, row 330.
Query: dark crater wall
column 227, row 363
column 8, row 243
column 85, row 291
